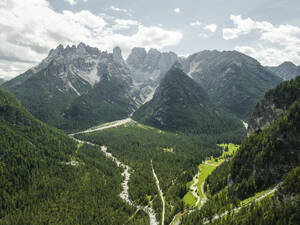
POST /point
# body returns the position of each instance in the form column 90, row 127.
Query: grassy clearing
column 207, row 167
column 189, row 199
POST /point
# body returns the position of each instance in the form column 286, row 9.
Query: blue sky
column 268, row 30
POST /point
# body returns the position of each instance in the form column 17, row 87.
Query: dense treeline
column 175, row 159
column 45, row 178
column 282, row 208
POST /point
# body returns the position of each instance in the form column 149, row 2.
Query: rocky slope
column 180, row 104
column 232, row 80
column 76, row 87
column 286, row 70
column 274, row 105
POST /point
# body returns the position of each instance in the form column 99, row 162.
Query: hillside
column 233, row 81
column 265, row 163
column 46, row 178
column 274, row 104
column 180, row 104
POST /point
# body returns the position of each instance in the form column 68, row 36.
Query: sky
column 268, row 30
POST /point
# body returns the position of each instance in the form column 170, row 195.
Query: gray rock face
column 117, row 55
column 286, row 70
column 148, row 68
column 151, row 65
column 137, row 57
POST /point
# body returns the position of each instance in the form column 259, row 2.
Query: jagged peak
column 117, row 55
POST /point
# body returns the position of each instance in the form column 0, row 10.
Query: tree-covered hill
column 46, row 178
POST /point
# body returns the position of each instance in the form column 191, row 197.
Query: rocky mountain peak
column 137, row 56
column 117, row 55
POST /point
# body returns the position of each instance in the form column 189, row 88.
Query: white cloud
column 269, row 56
column 74, row 2
column 177, row 10
column 124, row 24
column 211, row 27
column 196, row 23
column 275, row 44
column 116, row 9
column 26, row 38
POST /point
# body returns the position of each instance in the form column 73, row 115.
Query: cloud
column 177, row 10
column 196, row 23
column 121, row 24
column 26, row 38
column 74, row 2
column 211, row 27
column 116, row 9
column 274, row 45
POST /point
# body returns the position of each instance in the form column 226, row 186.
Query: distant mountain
column 286, row 70
column 148, row 68
column 274, row 105
column 76, row 87
column 180, row 104
column 233, row 81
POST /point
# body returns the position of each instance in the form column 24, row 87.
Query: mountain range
column 80, row 86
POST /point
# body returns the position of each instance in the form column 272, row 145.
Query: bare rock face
column 148, row 68
column 117, row 55
column 151, row 65
column 274, row 104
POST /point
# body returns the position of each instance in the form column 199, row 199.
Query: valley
column 154, row 139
